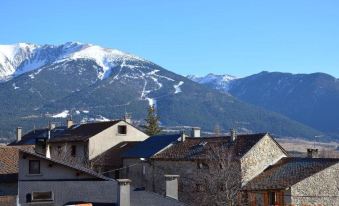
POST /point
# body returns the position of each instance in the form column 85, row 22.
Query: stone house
column 186, row 157
column 81, row 143
column 296, row 181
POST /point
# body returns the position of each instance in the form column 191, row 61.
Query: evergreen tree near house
column 152, row 122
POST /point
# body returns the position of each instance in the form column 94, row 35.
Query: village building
column 296, row 181
column 34, row 179
column 186, row 157
column 83, row 143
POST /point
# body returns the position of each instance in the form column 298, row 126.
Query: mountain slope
column 90, row 82
column 309, row 98
column 219, row 82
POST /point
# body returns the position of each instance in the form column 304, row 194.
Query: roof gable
column 288, row 171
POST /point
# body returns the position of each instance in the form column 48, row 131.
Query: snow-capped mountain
column 20, row 58
column 220, row 82
column 42, row 83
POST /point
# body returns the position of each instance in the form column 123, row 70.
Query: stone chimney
column 233, row 134
column 172, row 186
column 18, row 133
column 312, row 153
column 69, row 122
column 124, row 191
column 182, row 137
column 195, row 132
column 128, row 118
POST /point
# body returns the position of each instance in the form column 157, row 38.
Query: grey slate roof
column 151, row 146
column 78, row 132
column 288, row 171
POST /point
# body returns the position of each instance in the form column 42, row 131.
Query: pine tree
column 152, row 122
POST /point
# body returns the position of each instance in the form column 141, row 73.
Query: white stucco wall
column 108, row 138
column 68, row 191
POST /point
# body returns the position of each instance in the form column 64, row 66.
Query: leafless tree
column 218, row 179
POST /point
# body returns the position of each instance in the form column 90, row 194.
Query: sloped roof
column 113, row 156
column 151, row 146
column 9, row 157
column 78, row 132
column 83, row 132
column 196, row 148
column 289, row 171
column 77, row 167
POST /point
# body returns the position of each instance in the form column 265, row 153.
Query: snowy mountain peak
column 20, row 58
column 221, row 82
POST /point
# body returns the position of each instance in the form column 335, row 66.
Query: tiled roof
column 151, row 146
column 78, row 132
column 83, row 131
column 67, row 164
column 113, row 156
column 196, row 148
column 289, row 171
column 9, row 157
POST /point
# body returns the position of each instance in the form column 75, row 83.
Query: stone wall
column 265, row 153
column 321, row 189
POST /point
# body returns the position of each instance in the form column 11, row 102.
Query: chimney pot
column 196, row 132
column 183, row 136
column 18, row 134
column 69, row 123
column 312, row 153
column 233, row 134
column 124, row 191
column 172, row 186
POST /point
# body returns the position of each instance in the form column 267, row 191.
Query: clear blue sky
column 189, row 37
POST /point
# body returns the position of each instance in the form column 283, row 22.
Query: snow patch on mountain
column 220, row 82
column 177, row 87
column 62, row 114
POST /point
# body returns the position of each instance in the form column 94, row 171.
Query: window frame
column 51, row 199
column 122, row 129
column 73, row 150
column 30, row 169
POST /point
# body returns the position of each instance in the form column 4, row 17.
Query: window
column 59, row 150
column 42, row 196
column 272, row 198
column 122, row 129
column 34, row 167
column 202, row 165
column 73, row 150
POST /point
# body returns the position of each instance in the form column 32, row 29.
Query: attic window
column 73, row 150
column 122, row 129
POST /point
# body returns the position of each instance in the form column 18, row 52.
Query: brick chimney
column 195, row 132
column 172, row 186
column 233, row 134
column 312, row 153
column 18, row 134
column 69, row 122
column 124, row 192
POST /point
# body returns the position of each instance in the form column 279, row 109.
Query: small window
column 143, row 170
column 202, row 165
column 73, row 150
column 59, row 150
column 272, row 198
column 34, row 166
column 42, row 196
column 122, row 129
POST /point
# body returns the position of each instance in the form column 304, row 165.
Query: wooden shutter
column 266, row 200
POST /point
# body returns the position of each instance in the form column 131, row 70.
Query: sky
column 191, row 36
